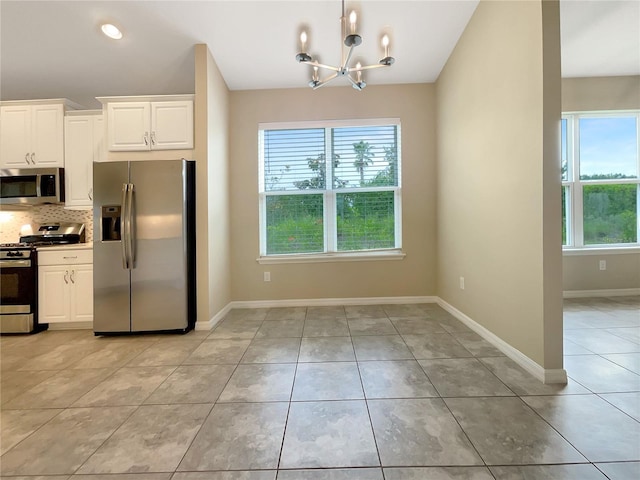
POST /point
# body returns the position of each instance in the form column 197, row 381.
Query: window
column 600, row 186
column 329, row 188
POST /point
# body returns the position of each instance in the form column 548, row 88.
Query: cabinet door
column 53, row 293
column 81, row 278
column 99, row 151
column 171, row 125
column 47, row 135
column 78, row 159
column 128, row 126
column 15, row 137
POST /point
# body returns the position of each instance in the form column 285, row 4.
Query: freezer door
column 111, row 280
column 159, row 274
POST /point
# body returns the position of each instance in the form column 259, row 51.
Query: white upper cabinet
column 83, row 145
column 32, row 136
column 149, row 125
column 129, row 126
column 172, row 125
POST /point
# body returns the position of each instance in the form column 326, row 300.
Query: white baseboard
column 542, row 374
column 71, row 326
column 213, row 321
column 320, row 302
column 619, row 292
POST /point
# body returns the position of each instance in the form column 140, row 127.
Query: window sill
column 332, row 257
column 580, row 251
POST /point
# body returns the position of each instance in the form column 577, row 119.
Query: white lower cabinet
column 65, row 286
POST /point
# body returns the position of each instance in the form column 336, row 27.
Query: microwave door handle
column 38, row 185
column 130, row 234
column 123, row 240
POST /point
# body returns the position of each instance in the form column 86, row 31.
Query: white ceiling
column 600, row 38
column 53, row 49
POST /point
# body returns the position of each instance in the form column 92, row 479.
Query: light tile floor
column 395, row 392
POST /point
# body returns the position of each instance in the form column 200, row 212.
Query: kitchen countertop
column 74, row 246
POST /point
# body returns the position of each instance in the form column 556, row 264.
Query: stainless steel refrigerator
column 144, row 246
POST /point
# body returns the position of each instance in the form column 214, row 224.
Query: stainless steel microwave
column 31, row 186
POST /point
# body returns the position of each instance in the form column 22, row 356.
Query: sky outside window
column 608, row 148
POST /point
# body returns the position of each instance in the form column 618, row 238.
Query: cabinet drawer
column 65, row 257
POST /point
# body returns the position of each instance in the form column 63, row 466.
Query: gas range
column 14, row 246
column 16, row 251
column 19, row 289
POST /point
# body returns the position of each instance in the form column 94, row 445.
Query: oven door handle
column 15, row 263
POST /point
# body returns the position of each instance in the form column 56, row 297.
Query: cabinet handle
column 153, row 138
column 70, row 257
column 66, row 277
column 72, row 273
column 26, row 158
column 32, row 159
column 91, row 194
column 146, row 138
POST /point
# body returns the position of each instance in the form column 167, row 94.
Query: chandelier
column 350, row 40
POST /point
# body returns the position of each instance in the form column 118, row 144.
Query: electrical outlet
column 267, row 276
column 461, row 283
column 603, row 264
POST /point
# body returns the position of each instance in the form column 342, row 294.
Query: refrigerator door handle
column 125, row 217
column 130, row 232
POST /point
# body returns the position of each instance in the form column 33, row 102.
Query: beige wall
column 413, row 276
column 212, row 186
column 497, row 158
column 600, row 93
column 582, row 272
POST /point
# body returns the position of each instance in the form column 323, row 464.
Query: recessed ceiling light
column 111, row 31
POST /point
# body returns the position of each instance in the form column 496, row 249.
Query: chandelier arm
column 369, row 67
column 353, row 82
column 357, row 85
column 325, row 81
column 346, row 62
column 321, row 65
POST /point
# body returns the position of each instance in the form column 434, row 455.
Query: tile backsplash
column 13, row 219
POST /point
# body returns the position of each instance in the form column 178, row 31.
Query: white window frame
column 331, row 254
column 574, row 214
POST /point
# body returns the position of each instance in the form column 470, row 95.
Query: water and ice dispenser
column 111, row 223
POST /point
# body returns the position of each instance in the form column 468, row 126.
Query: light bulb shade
column 111, row 31
column 385, row 41
column 358, row 72
column 303, row 41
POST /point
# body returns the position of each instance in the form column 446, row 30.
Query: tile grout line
column 366, row 403
column 215, row 402
column 293, row 384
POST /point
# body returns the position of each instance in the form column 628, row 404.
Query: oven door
column 18, row 294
